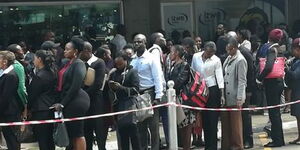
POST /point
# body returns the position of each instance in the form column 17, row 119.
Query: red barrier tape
column 237, row 109
column 78, row 118
column 130, row 111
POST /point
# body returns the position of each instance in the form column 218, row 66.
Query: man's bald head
column 155, row 37
column 141, row 36
column 88, row 46
column 139, row 44
column 87, row 52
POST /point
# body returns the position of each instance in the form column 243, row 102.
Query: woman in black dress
column 73, row 101
column 125, row 82
column 292, row 79
column 10, row 106
column 40, row 91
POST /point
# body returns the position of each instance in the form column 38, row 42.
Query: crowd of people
column 81, row 79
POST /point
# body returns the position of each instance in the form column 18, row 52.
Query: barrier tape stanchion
column 172, row 118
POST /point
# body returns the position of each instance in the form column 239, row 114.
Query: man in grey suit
column 235, row 70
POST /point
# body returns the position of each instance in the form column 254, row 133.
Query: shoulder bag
column 278, row 67
column 89, row 77
column 143, row 101
column 195, row 93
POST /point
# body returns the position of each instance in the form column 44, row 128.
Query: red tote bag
column 195, row 93
column 278, row 67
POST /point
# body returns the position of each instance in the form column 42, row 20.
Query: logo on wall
column 178, row 19
column 254, row 19
column 212, row 15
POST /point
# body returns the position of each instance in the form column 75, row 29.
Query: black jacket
column 97, row 105
column 72, row 81
column 130, row 84
column 251, row 69
column 99, row 67
column 292, row 78
column 41, row 91
column 180, row 74
column 9, row 99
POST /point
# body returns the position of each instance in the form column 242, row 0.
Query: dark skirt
column 78, row 107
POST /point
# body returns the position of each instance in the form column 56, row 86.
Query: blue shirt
column 150, row 73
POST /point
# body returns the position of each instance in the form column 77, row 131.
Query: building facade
column 29, row 19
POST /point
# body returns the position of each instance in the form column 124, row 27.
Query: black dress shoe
column 248, row 146
column 200, row 143
column 272, row 144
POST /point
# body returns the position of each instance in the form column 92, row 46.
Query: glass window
column 29, row 23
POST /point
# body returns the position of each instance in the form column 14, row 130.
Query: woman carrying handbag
column 180, row 73
column 40, row 90
column 125, row 82
column 271, row 76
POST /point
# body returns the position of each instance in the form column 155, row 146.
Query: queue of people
column 87, row 80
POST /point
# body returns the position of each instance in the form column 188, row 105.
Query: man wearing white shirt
column 210, row 67
column 158, row 42
column 156, row 49
column 151, row 80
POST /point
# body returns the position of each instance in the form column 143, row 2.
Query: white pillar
column 171, row 93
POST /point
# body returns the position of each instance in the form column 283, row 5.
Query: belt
column 148, row 90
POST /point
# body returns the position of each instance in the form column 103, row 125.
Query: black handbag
column 60, row 135
column 124, row 120
column 143, row 101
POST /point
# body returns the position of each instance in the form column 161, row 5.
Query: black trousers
column 150, row 124
column 130, row 133
column 274, row 88
column 9, row 133
column 211, row 118
column 247, row 123
column 96, row 125
column 44, row 132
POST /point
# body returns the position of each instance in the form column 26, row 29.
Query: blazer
column 292, row 78
column 180, row 74
column 10, row 103
column 41, row 91
column 235, row 79
column 97, row 105
column 72, row 81
column 250, row 70
column 130, row 84
column 99, row 67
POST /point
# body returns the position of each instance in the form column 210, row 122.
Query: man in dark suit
column 246, row 115
column 97, row 101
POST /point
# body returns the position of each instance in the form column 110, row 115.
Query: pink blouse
column 61, row 75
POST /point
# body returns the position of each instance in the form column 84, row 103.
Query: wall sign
column 177, row 17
